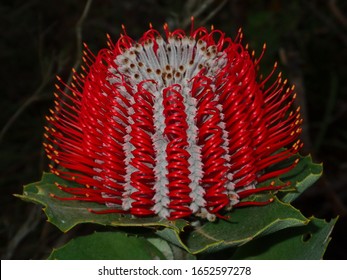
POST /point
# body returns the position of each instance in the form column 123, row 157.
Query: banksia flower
column 173, row 126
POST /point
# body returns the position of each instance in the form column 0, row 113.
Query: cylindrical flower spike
column 173, row 126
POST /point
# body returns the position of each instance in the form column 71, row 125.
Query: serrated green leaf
column 304, row 175
column 107, row 246
column 67, row 214
column 244, row 225
column 303, row 243
column 300, row 178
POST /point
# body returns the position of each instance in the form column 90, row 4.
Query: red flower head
column 171, row 126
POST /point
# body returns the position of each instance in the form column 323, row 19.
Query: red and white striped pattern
column 172, row 126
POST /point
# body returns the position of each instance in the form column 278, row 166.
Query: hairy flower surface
column 174, row 126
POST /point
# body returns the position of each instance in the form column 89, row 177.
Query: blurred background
column 39, row 39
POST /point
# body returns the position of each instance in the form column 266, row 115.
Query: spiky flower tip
column 171, row 126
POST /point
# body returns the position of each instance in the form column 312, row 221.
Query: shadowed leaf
column 107, row 246
column 303, row 243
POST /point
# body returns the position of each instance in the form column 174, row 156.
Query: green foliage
column 274, row 231
column 243, row 226
column 301, row 243
column 66, row 214
column 107, row 246
column 304, row 175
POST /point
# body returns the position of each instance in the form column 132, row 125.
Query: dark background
column 39, row 39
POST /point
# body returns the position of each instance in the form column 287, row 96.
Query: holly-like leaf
column 304, row 175
column 303, row 243
column 300, row 178
column 244, row 225
column 107, row 246
column 65, row 214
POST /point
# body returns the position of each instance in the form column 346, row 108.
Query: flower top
column 173, row 126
